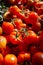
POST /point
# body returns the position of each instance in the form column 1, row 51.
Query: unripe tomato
column 10, row 59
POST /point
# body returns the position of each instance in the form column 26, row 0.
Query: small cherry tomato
column 7, row 27
column 37, row 58
column 10, row 59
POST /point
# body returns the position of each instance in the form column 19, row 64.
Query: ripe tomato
column 1, row 58
column 30, row 37
column 18, row 23
column 33, row 17
column 15, row 38
column 10, row 59
column 36, row 27
column 3, row 42
column 39, row 7
column 7, row 27
column 37, row 59
column 23, row 56
column 14, row 10
column 1, row 30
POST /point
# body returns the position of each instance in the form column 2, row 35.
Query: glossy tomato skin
column 7, row 27
column 10, row 59
column 23, row 56
column 30, row 37
column 15, row 38
column 37, row 59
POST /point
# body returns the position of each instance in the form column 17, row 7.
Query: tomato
column 1, row 30
column 37, row 27
column 30, row 37
column 39, row 7
column 1, row 58
column 18, row 23
column 37, row 59
column 3, row 42
column 10, row 59
column 23, row 56
column 15, row 38
column 7, row 27
column 14, row 10
column 33, row 17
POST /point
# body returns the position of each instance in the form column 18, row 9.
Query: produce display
column 21, row 32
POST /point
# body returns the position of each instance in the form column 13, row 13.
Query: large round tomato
column 37, row 59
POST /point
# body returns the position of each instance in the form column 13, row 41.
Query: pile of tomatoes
column 21, row 33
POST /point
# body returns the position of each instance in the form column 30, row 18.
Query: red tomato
column 14, row 10
column 18, row 23
column 1, row 58
column 15, row 38
column 23, row 56
column 7, row 27
column 10, row 59
column 33, row 17
column 37, row 59
column 39, row 7
column 36, row 27
column 30, row 37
